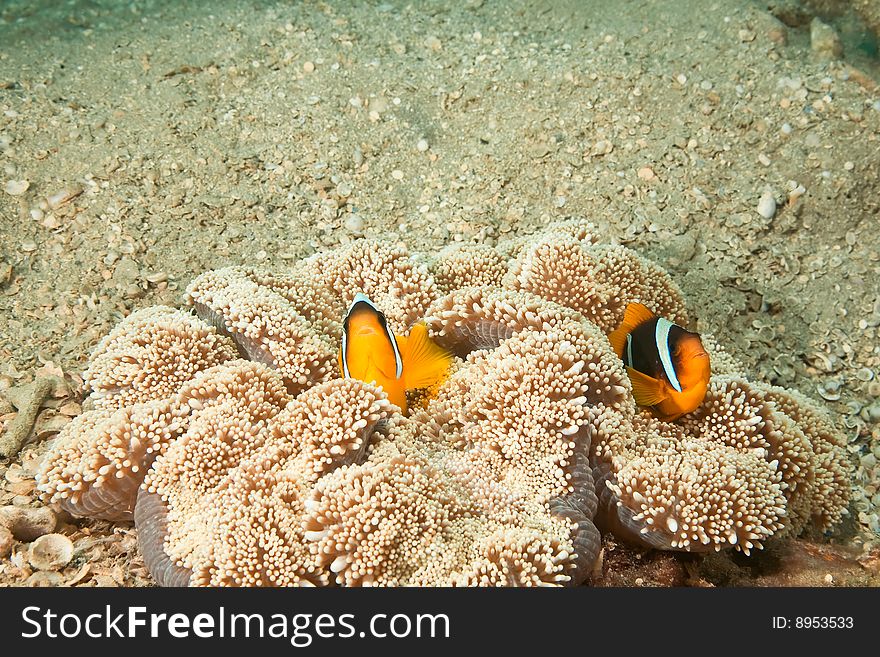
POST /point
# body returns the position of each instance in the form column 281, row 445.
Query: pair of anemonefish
column 667, row 365
column 371, row 352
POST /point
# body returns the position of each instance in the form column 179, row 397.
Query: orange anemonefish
column 667, row 365
column 371, row 352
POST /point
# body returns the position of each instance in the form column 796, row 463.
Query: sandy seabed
column 144, row 143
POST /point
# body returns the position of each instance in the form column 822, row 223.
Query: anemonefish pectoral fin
column 424, row 362
column 634, row 315
column 647, row 390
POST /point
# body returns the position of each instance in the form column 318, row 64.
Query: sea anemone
column 271, row 470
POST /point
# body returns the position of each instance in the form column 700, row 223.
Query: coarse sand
column 142, row 143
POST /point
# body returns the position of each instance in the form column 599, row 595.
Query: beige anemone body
column 246, row 461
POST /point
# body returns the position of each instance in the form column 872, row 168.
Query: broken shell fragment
column 63, row 196
column 16, row 187
column 51, row 552
column 830, row 391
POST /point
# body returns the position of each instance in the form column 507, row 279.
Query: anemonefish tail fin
column 646, row 390
column 425, row 364
column 634, row 315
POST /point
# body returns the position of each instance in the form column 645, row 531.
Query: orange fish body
column 371, row 352
column 667, row 365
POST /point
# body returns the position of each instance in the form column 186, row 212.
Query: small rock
column 309, row 67
column 126, row 272
column 26, row 524
column 5, row 273
column 422, row 145
column 434, row 43
column 397, row 174
column 778, row 35
column 5, row 542
column 354, row 224
column 767, row 205
column 646, row 173
column 602, row 147
column 50, row 552
column 16, row 187
column 824, row 40
column 133, row 291
column 43, row 579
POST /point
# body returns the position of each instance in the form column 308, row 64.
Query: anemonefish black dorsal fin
column 647, row 390
column 635, row 315
column 424, row 362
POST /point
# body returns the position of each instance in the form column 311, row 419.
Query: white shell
column 50, row 552
column 16, row 187
column 767, row 205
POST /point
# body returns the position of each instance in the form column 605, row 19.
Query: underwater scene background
column 735, row 144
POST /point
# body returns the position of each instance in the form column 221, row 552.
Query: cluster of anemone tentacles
column 245, row 460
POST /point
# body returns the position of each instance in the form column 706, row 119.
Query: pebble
column 16, row 187
column 343, row 189
column 309, row 67
column 6, row 542
column 602, row 147
column 397, row 174
column 646, row 173
column 133, row 292
column 422, row 145
column 354, row 224
column 824, row 40
column 43, row 579
column 434, row 43
column 126, row 272
column 767, row 205
column 27, row 524
column 849, row 166
column 5, row 273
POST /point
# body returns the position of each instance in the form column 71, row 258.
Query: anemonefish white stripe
column 345, row 372
column 628, row 361
column 661, row 337
column 398, row 360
